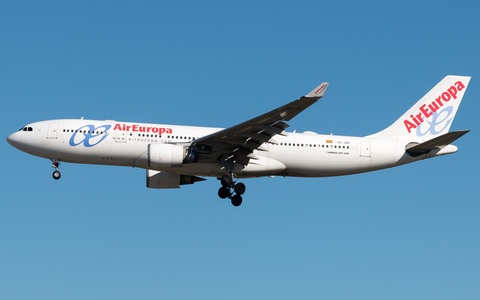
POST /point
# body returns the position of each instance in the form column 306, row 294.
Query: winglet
column 319, row 91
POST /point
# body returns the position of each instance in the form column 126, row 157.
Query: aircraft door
column 52, row 131
column 365, row 149
column 121, row 136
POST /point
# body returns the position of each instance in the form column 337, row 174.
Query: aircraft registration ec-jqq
column 176, row 155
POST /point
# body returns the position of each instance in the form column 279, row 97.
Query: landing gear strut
column 56, row 174
column 228, row 184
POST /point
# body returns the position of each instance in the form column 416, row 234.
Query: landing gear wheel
column 56, row 164
column 224, row 192
column 56, row 175
column 240, row 188
column 236, row 200
column 226, row 180
column 231, row 189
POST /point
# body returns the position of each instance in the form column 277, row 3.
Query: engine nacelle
column 169, row 155
column 165, row 180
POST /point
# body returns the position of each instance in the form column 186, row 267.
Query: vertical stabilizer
column 432, row 115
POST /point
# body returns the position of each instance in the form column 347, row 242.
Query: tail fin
column 432, row 115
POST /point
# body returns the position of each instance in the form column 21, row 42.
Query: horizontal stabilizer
column 435, row 143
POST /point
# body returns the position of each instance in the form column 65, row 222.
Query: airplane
column 178, row 155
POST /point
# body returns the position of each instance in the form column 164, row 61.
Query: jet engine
column 169, row 155
column 165, row 180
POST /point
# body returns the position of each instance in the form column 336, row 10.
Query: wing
column 242, row 139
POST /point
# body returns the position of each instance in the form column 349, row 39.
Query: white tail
column 432, row 115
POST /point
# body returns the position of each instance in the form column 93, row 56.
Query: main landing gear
column 228, row 184
column 56, row 173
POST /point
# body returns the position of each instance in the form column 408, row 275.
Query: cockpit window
column 26, row 129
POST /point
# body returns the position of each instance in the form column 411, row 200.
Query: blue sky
column 411, row 232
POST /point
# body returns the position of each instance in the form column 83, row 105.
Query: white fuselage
column 126, row 144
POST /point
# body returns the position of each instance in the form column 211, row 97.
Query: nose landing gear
column 228, row 184
column 56, row 174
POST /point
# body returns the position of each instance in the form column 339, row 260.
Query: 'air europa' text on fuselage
column 450, row 93
column 139, row 128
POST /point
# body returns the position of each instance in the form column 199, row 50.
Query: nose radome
column 11, row 139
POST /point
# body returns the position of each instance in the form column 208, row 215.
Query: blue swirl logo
column 88, row 137
column 446, row 112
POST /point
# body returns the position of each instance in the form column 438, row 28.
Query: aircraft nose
column 11, row 140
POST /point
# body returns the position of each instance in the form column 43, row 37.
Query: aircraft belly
column 263, row 166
